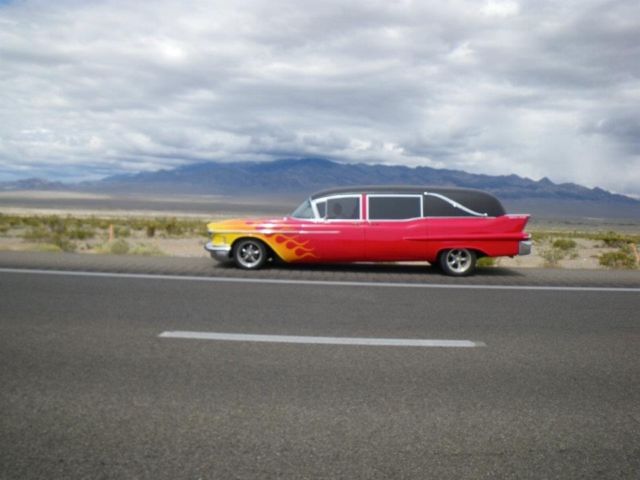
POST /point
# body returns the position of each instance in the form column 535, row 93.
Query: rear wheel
column 250, row 254
column 458, row 262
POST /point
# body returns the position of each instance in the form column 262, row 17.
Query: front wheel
column 458, row 262
column 250, row 254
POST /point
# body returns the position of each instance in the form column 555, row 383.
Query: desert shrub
column 32, row 221
column 201, row 230
column 82, row 233
column 564, row 244
column 137, row 223
column 486, row 262
column 63, row 241
column 10, row 221
column 552, row 256
column 103, row 223
column 614, row 239
column 621, row 258
column 121, row 231
column 174, row 228
column 37, row 234
column 119, row 247
column 56, row 225
column 151, row 230
column 51, row 230
column 539, row 237
column 146, row 250
column 46, row 247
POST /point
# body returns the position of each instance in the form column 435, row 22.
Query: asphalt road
column 90, row 390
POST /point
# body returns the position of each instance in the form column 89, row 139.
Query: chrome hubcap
column 459, row 260
column 249, row 255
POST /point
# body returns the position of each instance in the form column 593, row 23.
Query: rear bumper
column 219, row 252
column 524, row 247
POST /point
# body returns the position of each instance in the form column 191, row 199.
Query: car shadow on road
column 379, row 268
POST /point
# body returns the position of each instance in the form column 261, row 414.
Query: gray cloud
column 535, row 88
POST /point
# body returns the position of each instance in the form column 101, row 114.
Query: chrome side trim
column 524, row 247
column 281, row 232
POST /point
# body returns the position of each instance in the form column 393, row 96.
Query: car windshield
column 304, row 210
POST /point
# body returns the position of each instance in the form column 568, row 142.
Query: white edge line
column 379, row 342
column 341, row 283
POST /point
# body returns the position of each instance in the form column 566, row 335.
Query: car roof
column 476, row 199
column 403, row 189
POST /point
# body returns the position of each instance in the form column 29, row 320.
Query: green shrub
column 173, row 227
column 201, row 230
column 82, row 233
column 53, row 230
column 486, row 262
column 56, row 225
column 37, row 234
column 63, row 242
column 119, row 247
column 621, row 258
column 616, row 240
column 146, row 250
column 552, row 256
column 539, row 237
column 121, row 231
column 46, row 247
column 564, row 244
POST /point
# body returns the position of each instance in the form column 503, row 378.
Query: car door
column 395, row 229
column 341, row 228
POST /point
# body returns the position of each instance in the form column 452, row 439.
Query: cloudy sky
column 536, row 88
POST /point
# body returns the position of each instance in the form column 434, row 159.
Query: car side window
column 388, row 207
column 343, row 208
column 438, row 207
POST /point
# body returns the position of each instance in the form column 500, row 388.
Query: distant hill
column 310, row 174
column 32, row 184
column 302, row 176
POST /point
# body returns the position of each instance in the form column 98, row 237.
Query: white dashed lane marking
column 376, row 342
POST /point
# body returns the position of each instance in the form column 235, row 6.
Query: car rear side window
column 439, row 207
column 343, row 208
column 390, row 207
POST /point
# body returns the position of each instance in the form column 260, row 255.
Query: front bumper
column 219, row 252
column 524, row 247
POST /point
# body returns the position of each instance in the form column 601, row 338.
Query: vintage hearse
column 448, row 227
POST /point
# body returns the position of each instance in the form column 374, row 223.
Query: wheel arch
column 478, row 251
column 271, row 253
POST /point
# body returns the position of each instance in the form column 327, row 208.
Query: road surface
column 94, row 385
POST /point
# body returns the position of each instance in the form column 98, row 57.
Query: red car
column 450, row 227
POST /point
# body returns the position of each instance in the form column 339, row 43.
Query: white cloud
column 500, row 9
column 536, row 88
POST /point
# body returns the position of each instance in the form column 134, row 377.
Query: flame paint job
column 284, row 237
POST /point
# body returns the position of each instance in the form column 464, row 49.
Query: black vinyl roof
column 476, row 200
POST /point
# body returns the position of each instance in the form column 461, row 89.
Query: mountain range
column 301, row 176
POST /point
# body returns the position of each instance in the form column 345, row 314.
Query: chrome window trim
column 454, row 204
column 405, row 195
